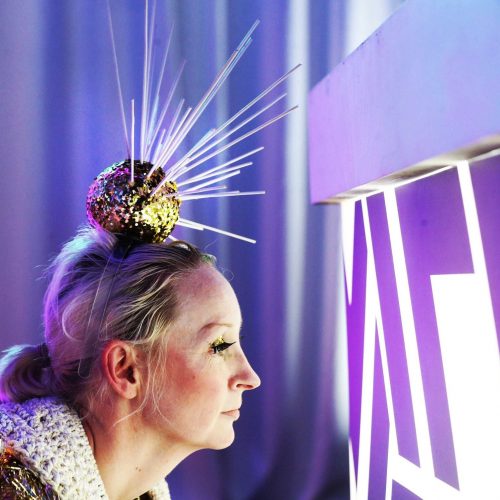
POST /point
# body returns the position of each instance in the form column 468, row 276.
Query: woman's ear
column 120, row 368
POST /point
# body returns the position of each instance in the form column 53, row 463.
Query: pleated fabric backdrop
column 60, row 126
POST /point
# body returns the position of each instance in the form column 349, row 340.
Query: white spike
column 166, row 106
column 168, row 146
column 204, row 176
column 158, row 147
column 180, row 194
column 149, row 76
column 238, row 139
column 212, row 90
column 213, row 181
column 235, row 129
column 230, row 162
column 188, row 223
column 258, row 98
column 156, row 94
column 185, row 161
column 132, row 136
column 117, row 73
column 249, row 105
column 161, row 147
column 215, row 230
column 179, row 165
column 223, row 195
column 144, row 79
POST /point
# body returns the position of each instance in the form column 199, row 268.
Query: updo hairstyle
column 101, row 288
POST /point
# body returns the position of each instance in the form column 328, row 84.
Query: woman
column 141, row 366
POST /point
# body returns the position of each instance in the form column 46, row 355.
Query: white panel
column 347, row 226
column 409, row 333
column 423, row 484
column 365, row 431
column 472, row 373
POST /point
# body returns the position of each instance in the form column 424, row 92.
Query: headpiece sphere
column 116, row 204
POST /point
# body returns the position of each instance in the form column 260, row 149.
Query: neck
column 131, row 457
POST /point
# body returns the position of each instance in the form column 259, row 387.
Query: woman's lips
column 232, row 413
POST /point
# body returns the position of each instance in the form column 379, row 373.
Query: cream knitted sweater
column 48, row 437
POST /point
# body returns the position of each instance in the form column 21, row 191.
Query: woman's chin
column 224, row 441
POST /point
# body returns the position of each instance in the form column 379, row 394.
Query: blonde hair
column 101, row 288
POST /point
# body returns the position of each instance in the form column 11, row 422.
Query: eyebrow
column 215, row 324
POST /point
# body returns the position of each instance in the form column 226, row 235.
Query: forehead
column 204, row 296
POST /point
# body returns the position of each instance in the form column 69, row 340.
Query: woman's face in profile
column 206, row 370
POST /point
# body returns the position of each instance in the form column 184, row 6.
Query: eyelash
column 220, row 345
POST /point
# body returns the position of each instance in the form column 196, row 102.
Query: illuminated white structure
column 405, row 134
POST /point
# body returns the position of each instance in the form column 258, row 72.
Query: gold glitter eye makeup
column 219, row 345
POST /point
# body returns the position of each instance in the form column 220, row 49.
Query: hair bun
column 116, row 204
column 25, row 373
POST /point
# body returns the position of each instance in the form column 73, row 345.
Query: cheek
column 198, row 386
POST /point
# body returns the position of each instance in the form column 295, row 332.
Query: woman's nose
column 246, row 378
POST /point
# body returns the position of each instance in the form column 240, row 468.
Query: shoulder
column 20, row 482
column 159, row 492
column 47, row 437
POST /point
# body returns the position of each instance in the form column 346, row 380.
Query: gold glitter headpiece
column 141, row 198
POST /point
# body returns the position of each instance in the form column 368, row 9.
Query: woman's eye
column 220, row 345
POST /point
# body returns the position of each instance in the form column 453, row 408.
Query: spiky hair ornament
column 142, row 197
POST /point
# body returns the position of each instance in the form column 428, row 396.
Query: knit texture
column 48, row 437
